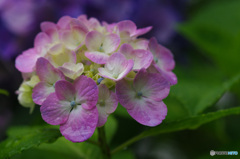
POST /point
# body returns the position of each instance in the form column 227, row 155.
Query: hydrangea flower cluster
column 79, row 69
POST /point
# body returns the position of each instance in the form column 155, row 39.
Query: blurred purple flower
column 21, row 19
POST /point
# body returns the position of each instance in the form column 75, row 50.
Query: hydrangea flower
column 48, row 76
column 143, row 97
column 73, row 107
column 163, row 61
column 84, row 68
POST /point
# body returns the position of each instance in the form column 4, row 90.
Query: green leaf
column 201, row 88
column 23, row 138
column 188, row 123
column 4, row 92
column 67, row 149
column 215, row 29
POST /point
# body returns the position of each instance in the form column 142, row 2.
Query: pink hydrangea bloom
column 107, row 104
column 142, row 58
column 100, row 46
column 116, row 67
column 73, row 107
column 48, row 76
column 163, row 61
column 79, row 69
column 143, row 97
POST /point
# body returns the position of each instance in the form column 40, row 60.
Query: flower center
column 101, row 103
column 100, row 80
column 101, row 47
column 156, row 60
column 139, row 94
column 73, row 104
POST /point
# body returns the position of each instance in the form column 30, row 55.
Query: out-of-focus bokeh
column 204, row 37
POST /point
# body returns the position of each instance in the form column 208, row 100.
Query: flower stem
column 103, row 143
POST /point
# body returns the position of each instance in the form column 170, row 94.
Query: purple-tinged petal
column 59, row 57
column 107, row 104
column 139, row 44
column 168, row 75
column 139, row 98
column 78, row 25
column 141, row 58
column 72, row 39
column 50, row 29
column 87, row 92
column 109, row 27
column 65, row 91
column 41, row 42
column 162, row 56
column 111, row 43
column 126, row 95
column 151, row 115
column 63, row 23
column 97, row 57
column 126, row 26
column 94, row 24
column 72, row 70
column 142, row 31
column 116, row 68
column 54, row 111
column 80, row 125
column 26, row 62
column 94, row 40
column 41, row 91
column 84, row 20
column 46, row 72
column 151, row 85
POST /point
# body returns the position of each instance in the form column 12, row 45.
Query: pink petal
column 94, row 24
column 142, row 31
column 151, row 115
column 64, row 22
column 168, row 75
column 151, row 85
column 116, row 68
column 41, row 42
column 97, row 57
column 72, row 70
column 126, row 26
column 93, row 41
column 109, row 27
column 126, row 49
column 80, row 125
column 65, row 90
column 46, row 72
column 50, row 29
column 141, row 58
column 125, row 94
column 107, row 104
column 72, row 40
column 83, row 19
column 79, row 26
column 41, row 91
column 27, row 61
column 162, row 56
column 54, row 111
column 58, row 57
column 87, row 92
column 111, row 43
column 139, row 44
column 146, row 108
